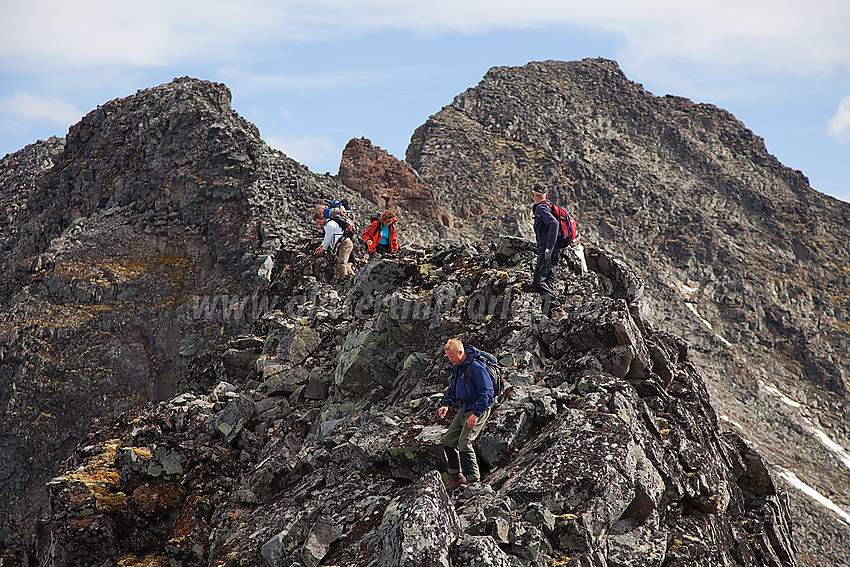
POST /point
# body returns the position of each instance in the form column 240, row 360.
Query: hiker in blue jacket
column 472, row 388
column 546, row 229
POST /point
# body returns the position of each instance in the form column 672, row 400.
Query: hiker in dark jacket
column 546, row 229
column 472, row 388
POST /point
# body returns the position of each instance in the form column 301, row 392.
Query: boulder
column 322, row 536
column 479, row 551
column 188, row 544
column 386, row 181
column 230, row 421
column 506, row 429
column 417, row 451
column 418, row 526
column 156, row 500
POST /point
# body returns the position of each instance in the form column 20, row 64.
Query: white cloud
column 799, row 36
column 314, row 152
column 25, row 107
column 787, row 35
column 839, row 125
column 55, row 33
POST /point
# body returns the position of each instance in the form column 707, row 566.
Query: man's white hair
column 539, row 190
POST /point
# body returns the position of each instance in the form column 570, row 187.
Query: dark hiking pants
column 544, row 280
column 457, row 444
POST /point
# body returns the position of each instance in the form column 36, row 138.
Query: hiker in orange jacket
column 380, row 235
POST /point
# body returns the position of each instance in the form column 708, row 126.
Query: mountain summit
column 740, row 256
column 127, row 250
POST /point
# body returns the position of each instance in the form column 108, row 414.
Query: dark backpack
column 568, row 227
column 341, row 213
column 496, row 372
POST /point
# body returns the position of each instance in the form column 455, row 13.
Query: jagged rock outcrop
column 129, row 249
column 588, row 461
column 740, row 256
column 386, row 181
column 20, row 173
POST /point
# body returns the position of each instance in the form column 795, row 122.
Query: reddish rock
column 73, row 499
column 387, row 181
column 156, row 500
column 189, row 540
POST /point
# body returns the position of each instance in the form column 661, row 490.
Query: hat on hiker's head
column 539, row 189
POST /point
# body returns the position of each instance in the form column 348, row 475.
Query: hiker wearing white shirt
column 336, row 238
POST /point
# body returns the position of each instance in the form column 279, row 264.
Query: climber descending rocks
column 555, row 230
column 337, row 235
column 471, row 388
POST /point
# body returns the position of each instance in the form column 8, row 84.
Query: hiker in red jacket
column 380, row 235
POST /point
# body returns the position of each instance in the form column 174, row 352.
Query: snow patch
column 775, row 391
column 827, row 442
column 693, row 309
column 824, row 440
column 792, row 479
column 683, row 289
column 732, row 422
column 821, row 436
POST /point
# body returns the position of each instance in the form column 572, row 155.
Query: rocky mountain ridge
column 319, row 444
column 129, row 249
column 740, row 256
column 163, row 242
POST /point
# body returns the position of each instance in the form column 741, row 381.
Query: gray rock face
column 736, row 253
column 162, row 247
column 128, row 250
column 419, row 526
column 479, row 551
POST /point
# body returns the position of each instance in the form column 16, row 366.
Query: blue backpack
column 496, row 372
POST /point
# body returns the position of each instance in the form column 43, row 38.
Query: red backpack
column 569, row 229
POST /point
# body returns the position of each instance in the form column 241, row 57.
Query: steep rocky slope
column 319, row 443
column 128, row 249
column 741, row 256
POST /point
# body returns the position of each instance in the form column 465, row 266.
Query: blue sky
column 314, row 74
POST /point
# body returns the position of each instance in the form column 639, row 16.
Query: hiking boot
column 457, row 481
